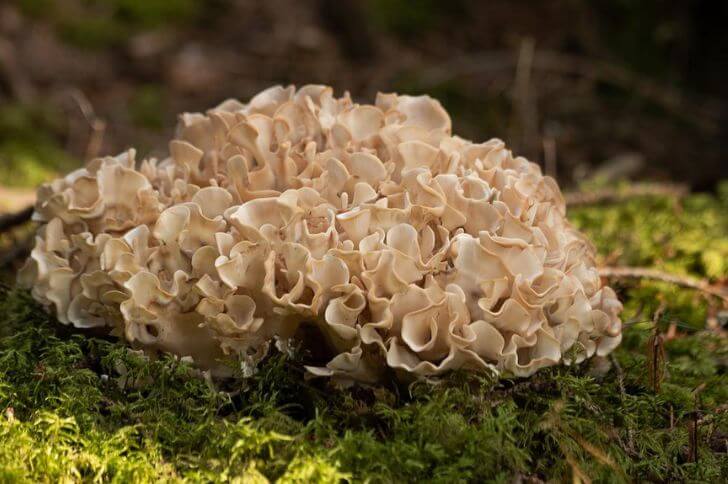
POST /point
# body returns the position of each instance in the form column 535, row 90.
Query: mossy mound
column 80, row 408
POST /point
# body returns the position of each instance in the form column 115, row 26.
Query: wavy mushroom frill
column 404, row 246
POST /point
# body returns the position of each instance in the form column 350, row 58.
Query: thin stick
column 618, row 195
column 527, row 111
column 623, row 397
column 549, row 156
column 654, row 274
column 700, row 112
column 656, row 351
column 16, row 79
column 10, row 220
column 98, row 125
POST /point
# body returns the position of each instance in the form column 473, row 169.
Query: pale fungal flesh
column 407, row 247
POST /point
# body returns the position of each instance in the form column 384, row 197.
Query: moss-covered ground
column 80, row 408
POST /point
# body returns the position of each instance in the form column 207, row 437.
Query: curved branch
column 10, row 220
column 574, row 199
column 656, row 275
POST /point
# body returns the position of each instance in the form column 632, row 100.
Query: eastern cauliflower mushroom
column 405, row 246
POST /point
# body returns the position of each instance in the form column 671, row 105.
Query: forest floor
column 597, row 92
column 80, row 408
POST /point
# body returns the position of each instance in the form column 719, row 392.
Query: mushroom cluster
column 403, row 246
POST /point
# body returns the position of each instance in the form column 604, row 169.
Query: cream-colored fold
column 401, row 245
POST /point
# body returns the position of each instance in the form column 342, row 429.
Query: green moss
column 687, row 237
column 407, row 19
column 91, row 32
column 147, row 107
column 30, row 150
column 99, row 24
column 75, row 407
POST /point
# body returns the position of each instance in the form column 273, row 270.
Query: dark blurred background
column 596, row 91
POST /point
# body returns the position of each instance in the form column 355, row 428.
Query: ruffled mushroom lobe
column 402, row 245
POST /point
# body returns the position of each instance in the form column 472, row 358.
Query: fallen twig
column 617, row 195
column 10, row 220
column 654, row 274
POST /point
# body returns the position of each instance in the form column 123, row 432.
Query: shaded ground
column 581, row 83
